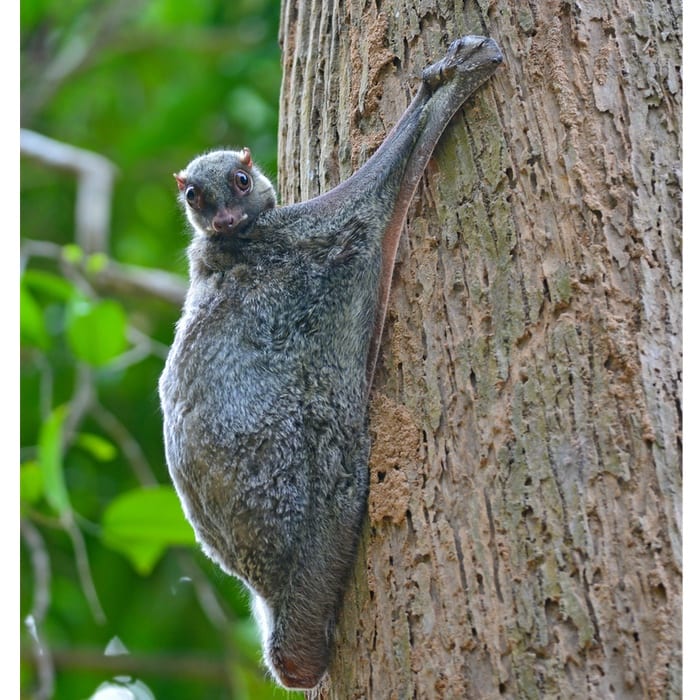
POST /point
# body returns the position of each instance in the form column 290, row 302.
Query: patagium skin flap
column 265, row 389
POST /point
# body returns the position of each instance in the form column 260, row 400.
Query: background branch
column 96, row 175
column 179, row 666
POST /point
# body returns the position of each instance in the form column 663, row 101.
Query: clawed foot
column 478, row 56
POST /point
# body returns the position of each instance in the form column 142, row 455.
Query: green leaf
column 51, row 460
column 100, row 448
column 143, row 523
column 31, row 482
column 48, row 283
column 96, row 330
column 32, row 325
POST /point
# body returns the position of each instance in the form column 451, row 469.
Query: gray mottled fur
column 264, row 393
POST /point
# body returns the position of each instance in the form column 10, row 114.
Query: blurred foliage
column 113, row 588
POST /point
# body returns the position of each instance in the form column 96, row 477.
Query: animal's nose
column 224, row 221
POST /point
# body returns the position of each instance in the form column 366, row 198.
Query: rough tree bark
column 524, row 530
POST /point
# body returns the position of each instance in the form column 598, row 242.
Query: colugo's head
column 222, row 192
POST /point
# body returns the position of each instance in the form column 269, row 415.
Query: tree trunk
column 524, row 530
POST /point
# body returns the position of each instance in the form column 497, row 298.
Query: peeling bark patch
column 395, row 443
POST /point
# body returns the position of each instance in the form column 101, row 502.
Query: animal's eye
column 193, row 196
column 242, row 181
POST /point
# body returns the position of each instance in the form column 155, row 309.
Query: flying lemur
column 265, row 389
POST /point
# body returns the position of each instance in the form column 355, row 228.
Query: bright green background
column 148, row 85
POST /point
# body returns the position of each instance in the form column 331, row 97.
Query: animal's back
column 264, row 420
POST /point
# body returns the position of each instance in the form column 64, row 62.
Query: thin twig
column 83, row 397
column 41, row 568
column 128, row 445
column 83, row 566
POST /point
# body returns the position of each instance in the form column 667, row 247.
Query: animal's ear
column 246, row 158
column 181, row 181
